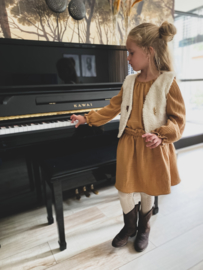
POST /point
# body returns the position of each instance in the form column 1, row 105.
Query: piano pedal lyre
column 93, row 190
column 77, row 194
column 87, row 194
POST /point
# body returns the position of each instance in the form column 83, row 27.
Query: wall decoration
column 58, row 6
column 76, row 9
column 88, row 66
column 105, row 21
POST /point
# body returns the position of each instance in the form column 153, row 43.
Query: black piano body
column 34, row 92
column 37, row 125
column 23, row 115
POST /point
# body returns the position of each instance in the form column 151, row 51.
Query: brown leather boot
column 141, row 241
column 129, row 229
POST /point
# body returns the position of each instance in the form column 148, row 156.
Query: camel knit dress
column 139, row 168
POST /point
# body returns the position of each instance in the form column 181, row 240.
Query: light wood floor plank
column 168, row 227
column 43, row 232
column 101, row 257
column 198, row 266
column 191, row 186
column 38, row 258
column 87, row 237
column 181, row 253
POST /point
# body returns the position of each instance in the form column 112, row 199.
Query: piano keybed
column 40, row 125
column 35, row 126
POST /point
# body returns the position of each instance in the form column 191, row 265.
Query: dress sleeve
column 176, row 112
column 104, row 115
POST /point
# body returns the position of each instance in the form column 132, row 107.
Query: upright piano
column 36, row 101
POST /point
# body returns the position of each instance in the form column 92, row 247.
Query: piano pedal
column 93, row 190
column 77, row 194
column 87, row 194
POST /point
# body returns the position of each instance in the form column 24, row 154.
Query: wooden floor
column 176, row 239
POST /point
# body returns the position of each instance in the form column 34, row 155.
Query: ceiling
column 187, row 5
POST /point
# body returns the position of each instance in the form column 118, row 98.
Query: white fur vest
column 154, row 107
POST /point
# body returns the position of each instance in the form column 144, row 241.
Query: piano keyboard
column 40, row 126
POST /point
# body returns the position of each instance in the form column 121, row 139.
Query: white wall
column 187, row 5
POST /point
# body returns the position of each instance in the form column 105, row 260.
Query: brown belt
column 134, row 132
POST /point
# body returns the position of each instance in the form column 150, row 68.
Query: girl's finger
column 155, row 145
column 150, row 144
column 145, row 135
column 74, row 118
column 149, row 139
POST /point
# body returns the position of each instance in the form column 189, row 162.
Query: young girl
column 152, row 118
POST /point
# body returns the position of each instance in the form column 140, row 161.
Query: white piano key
column 29, row 128
column 40, row 126
column 20, row 128
column 33, row 127
column 52, row 124
column 64, row 123
column 59, row 124
column 24, row 128
column 6, row 131
column 45, row 125
column 68, row 123
column 16, row 128
column 3, row 130
column 11, row 129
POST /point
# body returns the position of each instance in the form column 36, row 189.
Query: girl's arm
column 104, row 115
column 173, row 130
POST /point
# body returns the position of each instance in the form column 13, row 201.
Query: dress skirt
column 141, row 169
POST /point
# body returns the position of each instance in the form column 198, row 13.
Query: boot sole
column 119, row 246
column 126, row 242
column 140, row 250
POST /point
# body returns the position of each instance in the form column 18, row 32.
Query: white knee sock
column 127, row 201
column 147, row 201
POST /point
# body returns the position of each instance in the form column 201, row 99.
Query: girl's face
column 137, row 58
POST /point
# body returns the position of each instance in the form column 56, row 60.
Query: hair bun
column 167, row 31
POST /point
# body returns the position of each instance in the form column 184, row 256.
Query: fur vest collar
column 154, row 107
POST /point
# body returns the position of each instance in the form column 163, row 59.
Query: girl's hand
column 81, row 119
column 153, row 140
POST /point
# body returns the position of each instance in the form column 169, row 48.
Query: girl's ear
column 151, row 50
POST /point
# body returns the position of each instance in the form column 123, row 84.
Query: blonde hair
column 149, row 34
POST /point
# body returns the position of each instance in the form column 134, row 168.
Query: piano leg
column 37, row 181
column 30, row 173
column 156, row 208
column 58, row 205
column 48, row 199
